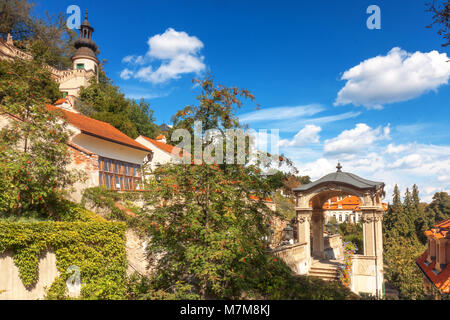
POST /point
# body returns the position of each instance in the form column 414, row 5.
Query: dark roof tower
column 86, row 47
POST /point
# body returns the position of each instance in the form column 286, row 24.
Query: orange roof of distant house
column 167, row 147
column 253, row 197
column 346, row 203
column 160, row 137
column 99, row 129
column 60, row 101
column 440, row 230
column 441, row 280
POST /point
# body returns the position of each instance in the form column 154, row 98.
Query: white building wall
column 159, row 156
column 89, row 64
column 110, row 150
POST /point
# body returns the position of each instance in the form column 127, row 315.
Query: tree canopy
column 104, row 101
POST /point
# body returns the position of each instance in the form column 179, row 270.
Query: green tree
column 401, row 244
column 439, row 208
column 33, row 152
column 104, row 101
column 47, row 39
column 208, row 221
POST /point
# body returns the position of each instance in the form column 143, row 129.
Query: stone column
column 317, row 228
column 372, row 218
column 303, row 225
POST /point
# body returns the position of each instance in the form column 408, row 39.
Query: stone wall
column 295, row 256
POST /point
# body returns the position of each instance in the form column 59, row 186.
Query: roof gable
column 99, row 129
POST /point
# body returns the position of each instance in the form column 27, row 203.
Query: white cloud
column 355, row 140
column 309, row 134
column 393, row 149
column 178, row 52
column 126, row 74
column 281, row 113
column 398, row 76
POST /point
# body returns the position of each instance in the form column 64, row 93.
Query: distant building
column 106, row 155
column 85, row 62
column 344, row 209
column 163, row 152
column 435, row 261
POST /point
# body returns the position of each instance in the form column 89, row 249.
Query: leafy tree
column 103, row 101
column 441, row 17
column 439, row 208
column 208, row 221
column 48, row 40
column 402, row 246
column 33, row 152
column 285, row 206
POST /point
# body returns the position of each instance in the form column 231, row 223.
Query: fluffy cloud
column 178, row 52
column 309, row 134
column 398, row 76
column 355, row 140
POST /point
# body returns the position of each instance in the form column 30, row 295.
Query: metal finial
column 86, row 15
column 339, row 167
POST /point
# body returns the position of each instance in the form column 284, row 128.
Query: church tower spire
column 86, row 55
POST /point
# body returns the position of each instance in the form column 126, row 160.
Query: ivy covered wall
column 93, row 244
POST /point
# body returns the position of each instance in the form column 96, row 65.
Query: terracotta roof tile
column 167, row 147
column 99, row 129
column 441, row 280
column 347, row 203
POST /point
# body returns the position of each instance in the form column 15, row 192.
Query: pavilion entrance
column 367, row 268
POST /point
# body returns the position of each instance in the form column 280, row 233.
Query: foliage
column 207, row 221
column 48, row 39
column 345, row 272
column 285, row 206
column 400, row 256
column 439, row 208
column 33, row 153
column 108, row 104
column 96, row 247
column 401, row 244
column 441, row 17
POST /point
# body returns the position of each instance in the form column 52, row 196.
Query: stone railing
column 295, row 256
column 69, row 74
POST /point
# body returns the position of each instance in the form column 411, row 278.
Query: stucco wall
column 159, row 156
column 109, row 149
column 10, row 281
column 88, row 63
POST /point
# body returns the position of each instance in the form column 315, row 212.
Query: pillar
column 303, row 228
column 372, row 218
column 317, row 232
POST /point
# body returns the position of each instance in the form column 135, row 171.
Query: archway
column 368, row 267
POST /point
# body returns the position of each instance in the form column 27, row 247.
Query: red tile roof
column 160, row 137
column 347, row 203
column 255, row 198
column 440, row 230
column 167, row 147
column 99, row 129
column 441, row 280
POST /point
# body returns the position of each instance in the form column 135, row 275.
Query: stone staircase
column 324, row 270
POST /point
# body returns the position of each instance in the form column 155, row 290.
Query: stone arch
column 310, row 198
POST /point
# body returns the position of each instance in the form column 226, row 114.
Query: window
column 80, row 66
column 65, row 93
column 340, row 217
column 119, row 175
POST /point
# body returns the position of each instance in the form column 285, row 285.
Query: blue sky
column 385, row 119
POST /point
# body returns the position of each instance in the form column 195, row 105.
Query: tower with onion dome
column 86, row 55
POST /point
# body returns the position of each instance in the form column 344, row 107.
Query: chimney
column 161, row 138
